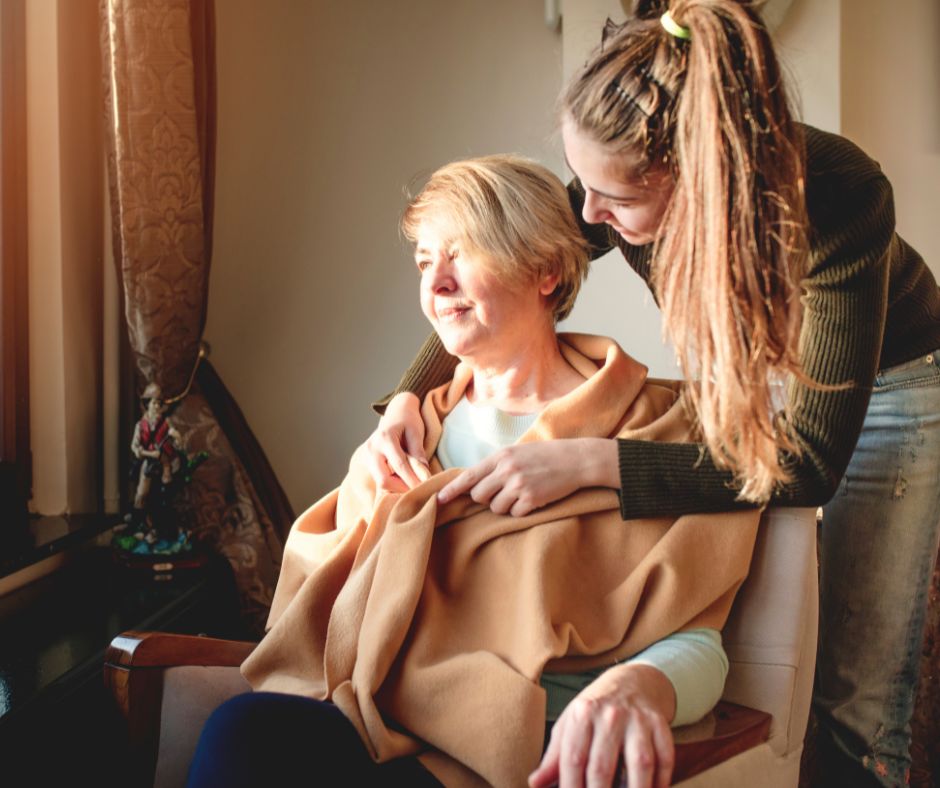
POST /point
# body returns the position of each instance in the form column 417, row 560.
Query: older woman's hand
column 395, row 451
column 526, row 476
column 626, row 711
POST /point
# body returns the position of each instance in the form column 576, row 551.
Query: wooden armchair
column 167, row 685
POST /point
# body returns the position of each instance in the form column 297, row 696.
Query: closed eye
column 620, row 201
column 613, row 199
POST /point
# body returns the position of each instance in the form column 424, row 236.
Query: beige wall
column 326, row 111
column 808, row 44
column 46, row 340
column 82, row 185
column 891, row 106
column 64, row 172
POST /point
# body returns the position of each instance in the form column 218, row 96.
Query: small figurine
column 160, row 469
column 155, row 446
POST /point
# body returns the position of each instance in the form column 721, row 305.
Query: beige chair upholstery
column 770, row 639
column 190, row 694
column 771, row 644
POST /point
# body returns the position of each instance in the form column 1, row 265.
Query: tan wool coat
column 429, row 626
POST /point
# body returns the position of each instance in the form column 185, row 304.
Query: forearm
column 673, row 479
column 696, row 666
column 683, row 673
column 595, row 459
column 646, row 685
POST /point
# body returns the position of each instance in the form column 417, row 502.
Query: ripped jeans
column 878, row 545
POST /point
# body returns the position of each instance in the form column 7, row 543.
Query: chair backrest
column 770, row 637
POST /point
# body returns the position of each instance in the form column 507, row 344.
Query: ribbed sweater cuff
column 670, row 479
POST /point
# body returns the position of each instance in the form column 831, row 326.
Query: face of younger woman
column 634, row 209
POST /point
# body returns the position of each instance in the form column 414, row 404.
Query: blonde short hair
column 515, row 212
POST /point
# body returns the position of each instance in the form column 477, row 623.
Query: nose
column 441, row 277
column 593, row 209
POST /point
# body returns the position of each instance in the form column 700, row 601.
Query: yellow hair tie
column 674, row 28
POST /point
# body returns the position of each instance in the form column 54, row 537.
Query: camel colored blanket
column 429, row 626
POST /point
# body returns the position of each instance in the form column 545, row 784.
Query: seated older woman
column 411, row 642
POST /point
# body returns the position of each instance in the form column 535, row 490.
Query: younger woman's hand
column 624, row 714
column 526, row 476
column 395, row 451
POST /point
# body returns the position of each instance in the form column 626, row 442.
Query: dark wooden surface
column 42, row 537
column 59, row 724
column 727, row 731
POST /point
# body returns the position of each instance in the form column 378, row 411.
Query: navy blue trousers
column 271, row 739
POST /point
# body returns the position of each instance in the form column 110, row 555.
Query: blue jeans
column 878, row 545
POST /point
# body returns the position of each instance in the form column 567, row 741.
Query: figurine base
column 161, row 567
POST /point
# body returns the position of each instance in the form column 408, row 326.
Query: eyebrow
column 424, row 251
column 618, row 198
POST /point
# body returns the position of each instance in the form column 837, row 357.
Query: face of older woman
column 477, row 314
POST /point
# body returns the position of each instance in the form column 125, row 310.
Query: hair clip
column 617, row 88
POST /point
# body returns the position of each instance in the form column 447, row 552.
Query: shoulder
column 849, row 201
column 830, row 156
column 839, row 173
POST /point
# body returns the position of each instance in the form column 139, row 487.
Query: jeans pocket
column 921, row 371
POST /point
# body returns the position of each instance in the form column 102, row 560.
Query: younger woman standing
column 771, row 249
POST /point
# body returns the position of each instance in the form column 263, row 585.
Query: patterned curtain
column 159, row 78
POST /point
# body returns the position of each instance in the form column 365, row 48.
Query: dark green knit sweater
column 870, row 303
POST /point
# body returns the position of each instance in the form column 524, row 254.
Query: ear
column 548, row 284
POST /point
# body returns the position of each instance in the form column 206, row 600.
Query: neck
column 523, row 379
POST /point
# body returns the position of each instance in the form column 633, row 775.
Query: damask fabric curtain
column 159, row 77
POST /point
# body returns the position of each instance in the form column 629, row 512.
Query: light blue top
column 693, row 661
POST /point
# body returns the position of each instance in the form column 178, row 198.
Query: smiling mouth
column 452, row 313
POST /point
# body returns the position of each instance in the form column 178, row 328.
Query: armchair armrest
column 132, row 662
column 727, row 731
column 133, row 673
column 162, row 649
